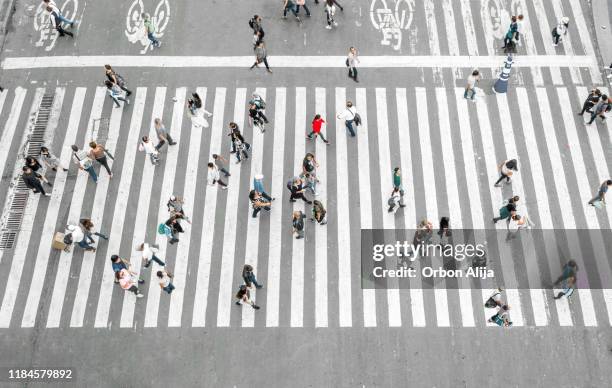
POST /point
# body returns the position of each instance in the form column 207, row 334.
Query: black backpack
column 251, row 23
column 357, row 119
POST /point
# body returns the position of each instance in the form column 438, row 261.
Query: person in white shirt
column 215, row 177
column 54, row 8
column 148, row 255
column 165, row 281
column 518, row 222
column 128, row 281
column 561, row 30
column 80, row 238
column 506, row 169
column 349, row 117
column 147, row 146
column 471, row 85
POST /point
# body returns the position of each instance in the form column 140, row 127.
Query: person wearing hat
column 561, row 30
column 506, row 169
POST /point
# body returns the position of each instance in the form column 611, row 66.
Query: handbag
column 347, row 63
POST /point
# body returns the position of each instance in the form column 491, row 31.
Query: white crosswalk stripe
column 204, row 262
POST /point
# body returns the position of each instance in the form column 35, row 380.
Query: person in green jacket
column 150, row 29
column 397, row 184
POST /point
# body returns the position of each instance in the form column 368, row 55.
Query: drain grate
column 19, row 192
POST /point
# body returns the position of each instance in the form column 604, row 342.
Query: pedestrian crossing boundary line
column 383, row 61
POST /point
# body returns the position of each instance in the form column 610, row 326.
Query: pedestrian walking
column 258, row 33
column 290, row 5
column 317, row 123
column 149, row 254
column 175, row 208
column 318, row 212
column 98, row 153
column 495, row 300
column 118, row 264
column 350, row 116
column 510, row 35
column 220, row 162
column 115, row 93
column 32, row 181
column 197, row 111
column 570, row 269
column 35, row 166
column 214, row 176
column 116, row 79
column 80, row 238
column 470, row 88
column 309, row 164
column 502, row 316
column 309, row 182
column 330, row 13
column 560, row 30
column 244, row 297
column 49, row 160
column 601, row 108
column 394, row 200
column 591, row 100
column 518, row 222
column 249, row 277
column 149, row 149
column 258, row 202
column 351, row 62
column 241, row 147
column 302, row 3
column 296, row 188
column 507, row 210
column 259, row 187
column 163, row 135
column 165, row 280
column 55, row 8
column 506, row 169
column 171, row 228
column 257, row 118
column 56, row 22
column 87, row 226
column 129, row 281
column 150, row 30
column 261, row 55
column 81, row 158
column 298, row 224
column 569, row 285
column 599, row 200
column 397, row 184
column 444, row 231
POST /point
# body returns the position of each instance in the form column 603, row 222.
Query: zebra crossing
column 446, row 146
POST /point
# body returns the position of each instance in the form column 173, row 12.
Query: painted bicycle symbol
column 134, row 26
column 391, row 22
column 42, row 23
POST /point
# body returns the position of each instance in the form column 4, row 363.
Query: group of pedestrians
column 597, row 104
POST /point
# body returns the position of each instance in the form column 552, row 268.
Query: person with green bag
column 507, row 210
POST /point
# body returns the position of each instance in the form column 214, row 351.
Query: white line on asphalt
column 389, row 61
column 11, row 125
column 547, row 39
column 528, row 39
column 585, row 38
column 200, row 302
column 557, row 6
column 321, row 295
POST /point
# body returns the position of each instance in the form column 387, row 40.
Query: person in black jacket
column 297, row 191
column 258, row 202
column 508, row 210
column 32, row 180
column 249, row 277
column 591, row 101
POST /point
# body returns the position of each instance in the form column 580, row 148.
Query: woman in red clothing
column 317, row 122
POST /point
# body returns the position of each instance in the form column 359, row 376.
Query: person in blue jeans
column 249, row 277
column 82, row 159
column 150, row 29
column 165, row 281
column 349, row 117
column 53, row 5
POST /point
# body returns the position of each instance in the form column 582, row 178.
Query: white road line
column 496, row 199
column 468, row 24
column 171, row 155
column 42, row 256
column 121, row 203
column 321, row 295
column 23, row 239
column 527, row 38
column 3, row 95
column 11, row 125
column 585, row 39
column 225, row 301
column 539, row 188
column 142, row 212
column 607, row 295
column 200, row 302
column 557, row 6
column 277, row 185
column 451, row 32
column 545, row 30
column 342, row 203
column 383, row 61
column 365, row 197
column 441, row 297
column 297, row 257
column 386, row 175
column 252, row 237
column 416, row 294
column 450, row 168
column 565, row 314
column 434, row 40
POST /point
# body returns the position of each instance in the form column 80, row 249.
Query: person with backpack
column 165, row 280
column 298, row 224
column 116, row 79
column 502, row 317
column 249, row 277
column 258, row 33
column 506, row 169
column 171, row 228
column 591, row 100
column 81, row 158
column 150, row 30
column 98, row 153
column 317, row 123
column 114, row 92
column 600, row 198
column 350, row 116
column 507, row 210
column 351, row 62
column 318, row 212
column 244, row 296
column 561, row 30
column 258, row 202
column 147, row 146
column 601, row 108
